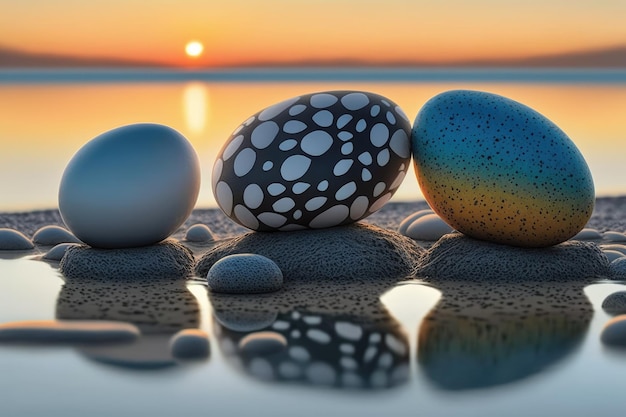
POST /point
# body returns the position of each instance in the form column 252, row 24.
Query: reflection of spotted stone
column 323, row 349
column 314, row 161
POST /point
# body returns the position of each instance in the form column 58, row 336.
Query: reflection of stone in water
column 159, row 309
column 336, row 335
column 479, row 335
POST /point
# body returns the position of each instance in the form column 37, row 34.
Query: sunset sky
column 238, row 32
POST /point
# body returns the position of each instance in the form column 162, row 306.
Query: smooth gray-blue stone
column 199, row 233
column 245, row 273
column 57, row 252
column 53, row 235
column 190, row 344
column 614, row 332
column 615, row 303
column 13, row 240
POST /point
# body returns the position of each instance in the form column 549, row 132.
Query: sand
column 609, row 215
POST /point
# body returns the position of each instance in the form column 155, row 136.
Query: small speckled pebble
column 497, row 170
column 618, row 268
column 614, row 332
column 245, row 273
column 587, row 234
column 53, row 235
column 199, row 233
column 411, row 218
column 615, row 303
column 13, row 240
column 190, row 344
column 429, row 227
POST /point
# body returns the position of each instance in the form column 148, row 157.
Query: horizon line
column 577, row 75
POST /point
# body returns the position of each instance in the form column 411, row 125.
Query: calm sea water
column 406, row 352
column 47, row 116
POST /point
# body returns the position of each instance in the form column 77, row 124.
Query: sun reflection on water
column 196, row 106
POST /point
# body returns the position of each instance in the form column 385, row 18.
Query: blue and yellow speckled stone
column 497, row 170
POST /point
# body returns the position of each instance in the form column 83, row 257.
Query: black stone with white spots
column 314, row 161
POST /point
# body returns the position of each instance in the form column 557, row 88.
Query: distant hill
column 614, row 57
column 12, row 58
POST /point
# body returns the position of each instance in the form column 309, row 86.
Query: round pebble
column 315, row 161
column 13, row 240
column 245, row 273
column 587, row 234
column 199, row 233
column 497, row 170
column 614, row 332
column 190, row 344
column 618, row 268
column 612, row 255
column 411, row 218
column 614, row 247
column 429, row 227
column 615, row 303
column 53, row 235
column 262, row 343
column 614, row 237
column 245, row 321
column 79, row 331
column 57, row 252
column 131, row 186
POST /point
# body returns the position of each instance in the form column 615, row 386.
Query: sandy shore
column 609, row 214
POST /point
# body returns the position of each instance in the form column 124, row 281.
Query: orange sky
column 239, row 31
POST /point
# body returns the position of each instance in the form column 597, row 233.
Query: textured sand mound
column 164, row 260
column 456, row 257
column 357, row 251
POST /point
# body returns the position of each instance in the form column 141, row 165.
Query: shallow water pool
column 350, row 350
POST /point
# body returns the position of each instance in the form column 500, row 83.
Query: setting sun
column 194, row 49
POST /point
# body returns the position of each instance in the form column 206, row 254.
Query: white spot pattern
column 309, row 147
column 297, row 109
column 323, row 100
column 264, row 134
column 342, row 167
column 294, row 167
column 294, row 126
column 355, row 101
column 276, row 109
column 323, row 118
column 224, row 196
column 316, row 143
column 288, row 145
column 345, row 191
column 253, row 196
column 244, row 162
column 343, row 120
column 232, row 147
column 300, row 187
